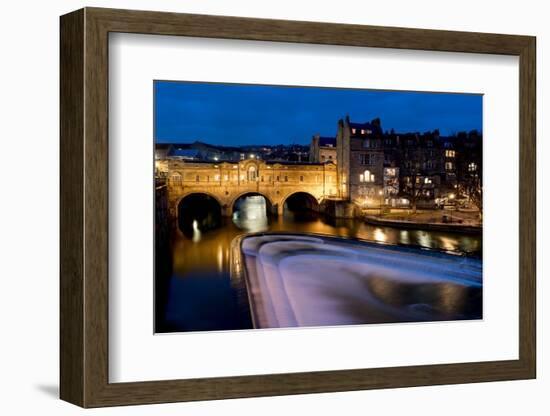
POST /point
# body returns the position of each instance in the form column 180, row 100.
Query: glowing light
column 380, row 235
column 196, row 232
column 220, row 258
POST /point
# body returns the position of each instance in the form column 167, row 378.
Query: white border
column 135, row 354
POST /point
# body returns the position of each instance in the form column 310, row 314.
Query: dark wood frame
column 84, row 208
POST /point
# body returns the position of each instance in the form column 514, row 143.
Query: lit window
column 225, row 177
column 362, row 131
column 427, row 180
column 216, row 177
column 252, row 173
column 366, row 177
column 353, row 131
column 449, row 153
column 472, row 167
column 448, row 165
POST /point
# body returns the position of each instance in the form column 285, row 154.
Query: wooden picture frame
column 84, row 207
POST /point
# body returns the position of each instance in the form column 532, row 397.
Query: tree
column 412, row 182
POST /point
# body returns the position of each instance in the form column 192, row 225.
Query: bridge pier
column 227, row 210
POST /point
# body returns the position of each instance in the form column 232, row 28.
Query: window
column 286, row 178
column 242, row 156
column 197, row 178
column 390, row 171
column 366, row 177
column 216, row 177
column 277, row 178
column 330, row 157
column 252, row 173
column 472, row 167
column 301, row 178
column 353, row 131
column 449, row 165
column 429, row 164
column 322, row 157
column 370, row 143
column 449, row 153
column 363, row 131
column 427, row 180
column 366, row 159
column 225, row 177
column 176, row 179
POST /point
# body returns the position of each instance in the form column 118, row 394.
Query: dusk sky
column 238, row 114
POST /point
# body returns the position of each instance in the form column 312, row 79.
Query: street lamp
column 380, row 193
column 451, row 197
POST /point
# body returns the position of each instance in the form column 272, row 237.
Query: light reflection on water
column 202, row 297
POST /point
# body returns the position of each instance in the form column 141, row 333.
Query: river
column 197, row 293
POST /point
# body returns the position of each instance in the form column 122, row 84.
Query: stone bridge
column 226, row 182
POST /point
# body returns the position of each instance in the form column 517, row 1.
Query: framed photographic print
column 256, row 207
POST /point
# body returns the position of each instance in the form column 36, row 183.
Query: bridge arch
column 198, row 211
column 270, row 204
column 300, row 201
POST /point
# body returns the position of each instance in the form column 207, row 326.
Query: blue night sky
column 238, row 114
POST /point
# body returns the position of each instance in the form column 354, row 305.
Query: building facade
column 377, row 168
column 228, row 181
column 322, row 149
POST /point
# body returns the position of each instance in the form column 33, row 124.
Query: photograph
column 282, row 206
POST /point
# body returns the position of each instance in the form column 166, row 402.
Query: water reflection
column 251, row 213
column 202, row 297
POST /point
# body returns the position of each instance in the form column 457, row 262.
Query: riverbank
column 467, row 222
